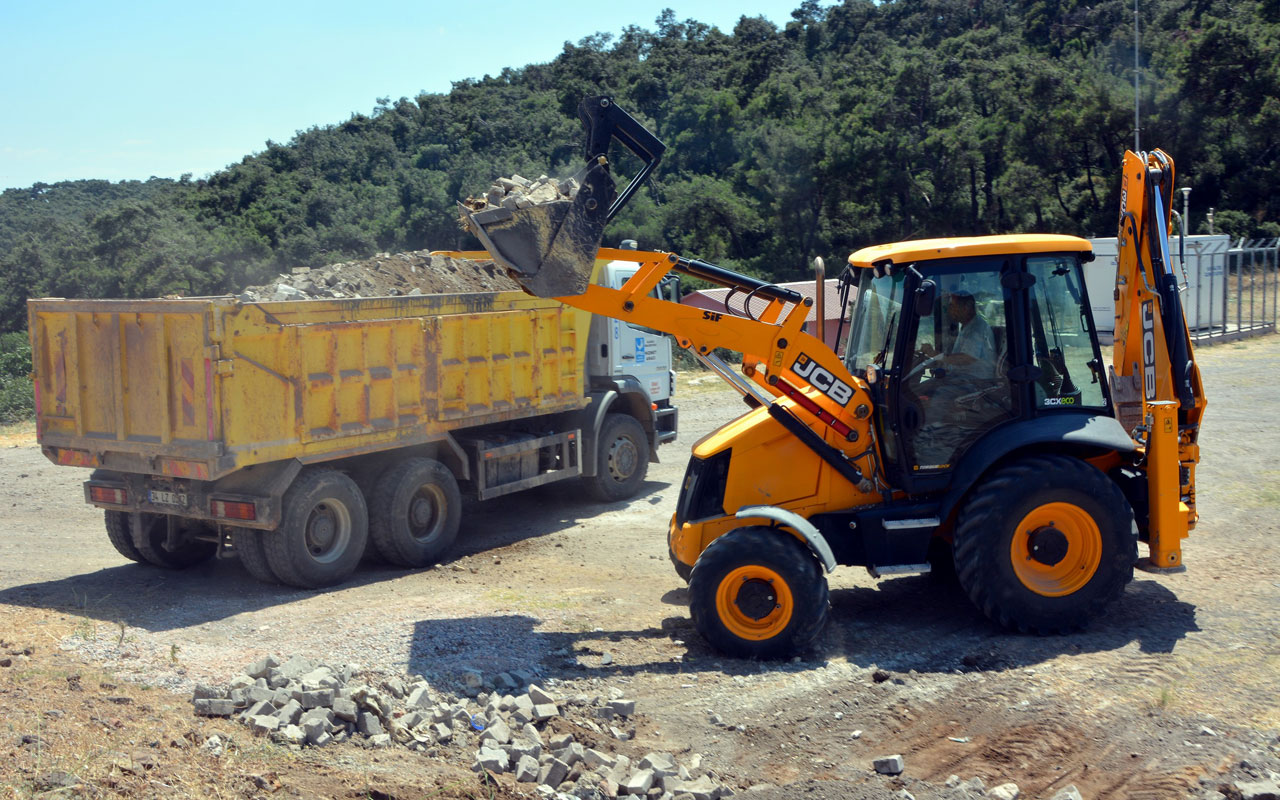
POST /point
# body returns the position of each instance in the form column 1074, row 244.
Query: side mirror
column 926, row 296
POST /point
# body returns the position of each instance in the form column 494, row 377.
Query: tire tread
column 385, row 536
column 980, row 521
column 281, row 548
column 786, row 555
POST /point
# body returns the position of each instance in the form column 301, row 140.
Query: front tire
column 323, row 530
column 622, row 458
column 758, row 593
column 1045, row 544
column 416, row 511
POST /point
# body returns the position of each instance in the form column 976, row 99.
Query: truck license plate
column 167, row 498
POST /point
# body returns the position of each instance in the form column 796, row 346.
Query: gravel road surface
column 1171, row 694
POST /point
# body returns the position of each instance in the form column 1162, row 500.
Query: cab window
column 1062, row 339
column 877, row 312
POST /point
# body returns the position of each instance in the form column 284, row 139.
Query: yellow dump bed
column 201, row 387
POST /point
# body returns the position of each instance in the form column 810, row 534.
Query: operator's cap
column 961, row 293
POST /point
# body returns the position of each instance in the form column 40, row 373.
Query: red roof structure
column 714, row 299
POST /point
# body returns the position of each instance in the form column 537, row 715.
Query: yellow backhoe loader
column 969, row 424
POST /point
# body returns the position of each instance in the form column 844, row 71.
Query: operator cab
column 960, row 339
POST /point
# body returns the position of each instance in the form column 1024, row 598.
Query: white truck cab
column 623, row 351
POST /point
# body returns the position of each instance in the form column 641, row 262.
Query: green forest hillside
column 852, row 124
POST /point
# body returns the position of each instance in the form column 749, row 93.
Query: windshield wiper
column 888, row 336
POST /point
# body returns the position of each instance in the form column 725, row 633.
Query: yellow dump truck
column 293, row 434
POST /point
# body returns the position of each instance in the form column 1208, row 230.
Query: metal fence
column 1232, row 290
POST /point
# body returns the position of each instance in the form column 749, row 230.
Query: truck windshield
column 873, row 330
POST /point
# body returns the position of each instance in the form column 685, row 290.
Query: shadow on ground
column 899, row 625
column 154, row 599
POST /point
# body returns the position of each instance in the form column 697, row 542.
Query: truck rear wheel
column 118, row 532
column 1044, row 544
column 758, row 593
column 416, row 509
column 622, row 458
column 252, row 552
column 150, row 549
column 323, row 530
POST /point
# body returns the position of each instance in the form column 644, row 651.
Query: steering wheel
column 917, row 372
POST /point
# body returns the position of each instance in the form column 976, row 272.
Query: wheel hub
column 422, row 512
column 622, row 459
column 1047, row 545
column 322, row 530
column 756, row 598
column 1056, row 549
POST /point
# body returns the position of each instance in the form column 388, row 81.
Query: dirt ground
column 1171, row 694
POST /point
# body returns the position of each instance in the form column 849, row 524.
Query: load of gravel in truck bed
column 385, row 275
column 417, row 272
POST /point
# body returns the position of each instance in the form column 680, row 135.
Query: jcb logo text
column 1148, row 351
column 822, row 379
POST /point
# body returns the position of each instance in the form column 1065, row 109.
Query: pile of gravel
column 517, row 192
column 502, row 723
column 384, row 275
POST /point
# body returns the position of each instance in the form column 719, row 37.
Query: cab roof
column 960, row 247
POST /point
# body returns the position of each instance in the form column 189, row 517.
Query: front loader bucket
column 549, row 248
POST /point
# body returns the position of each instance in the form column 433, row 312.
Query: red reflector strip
column 183, row 469
column 233, row 509
column 813, row 408
column 108, row 494
column 75, row 458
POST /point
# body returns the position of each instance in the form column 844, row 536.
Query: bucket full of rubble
column 545, row 232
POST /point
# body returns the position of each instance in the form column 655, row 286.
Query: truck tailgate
column 131, row 376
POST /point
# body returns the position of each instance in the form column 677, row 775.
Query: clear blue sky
column 134, row 89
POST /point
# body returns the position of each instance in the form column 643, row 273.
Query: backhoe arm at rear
column 1155, row 381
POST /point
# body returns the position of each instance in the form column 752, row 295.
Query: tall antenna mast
column 1137, row 136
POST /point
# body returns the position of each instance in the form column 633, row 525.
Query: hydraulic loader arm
column 1155, row 381
column 804, row 383
column 808, row 389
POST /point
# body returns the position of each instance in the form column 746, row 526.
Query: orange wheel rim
column 754, row 602
column 1056, row 549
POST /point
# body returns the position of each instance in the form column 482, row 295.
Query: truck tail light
column 233, row 509
column 112, row 495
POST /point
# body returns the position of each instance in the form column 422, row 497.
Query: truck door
column 642, row 353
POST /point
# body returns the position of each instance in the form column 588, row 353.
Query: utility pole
column 1137, row 136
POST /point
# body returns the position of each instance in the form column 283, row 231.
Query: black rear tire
column 252, row 552
column 758, row 593
column 415, row 512
column 622, row 458
column 155, row 531
column 323, row 530
column 118, row 532
column 1045, row 544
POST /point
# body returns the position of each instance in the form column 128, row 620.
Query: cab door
column 951, row 386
